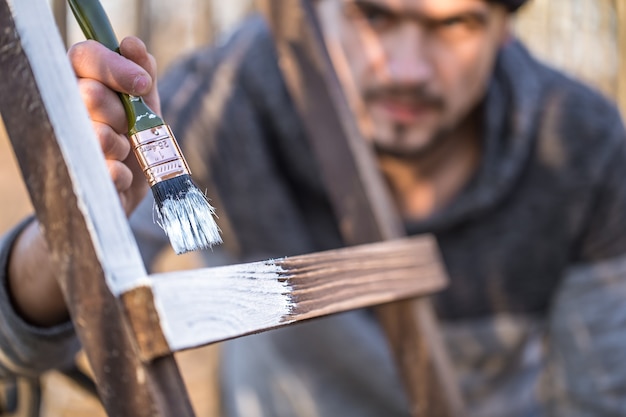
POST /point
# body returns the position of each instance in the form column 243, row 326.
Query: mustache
column 413, row 94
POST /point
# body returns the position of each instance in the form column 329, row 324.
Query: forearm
column 26, row 348
column 31, row 285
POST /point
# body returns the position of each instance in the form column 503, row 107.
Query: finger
column 113, row 145
column 92, row 60
column 120, row 174
column 139, row 186
column 103, row 104
column 135, row 50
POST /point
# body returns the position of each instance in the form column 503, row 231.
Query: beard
column 400, row 149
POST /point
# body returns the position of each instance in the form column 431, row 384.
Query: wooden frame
column 126, row 320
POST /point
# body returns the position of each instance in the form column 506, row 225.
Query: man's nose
column 408, row 60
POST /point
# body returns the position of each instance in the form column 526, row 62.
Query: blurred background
column 586, row 38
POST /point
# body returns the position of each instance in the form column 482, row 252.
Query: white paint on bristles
column 205, row 306
column 189, row 221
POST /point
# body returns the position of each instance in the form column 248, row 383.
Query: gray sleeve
column 26, row 349
column 587, row 330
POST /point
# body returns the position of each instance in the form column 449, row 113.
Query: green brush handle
column 95, row 25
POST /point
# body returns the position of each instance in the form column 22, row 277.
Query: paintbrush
column 183, row 210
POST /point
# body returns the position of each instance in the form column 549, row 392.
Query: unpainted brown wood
column 59, row 9
column 127, row 386
column 360, row 199
column 144, row 22
column 144, row 320
column 362, row 276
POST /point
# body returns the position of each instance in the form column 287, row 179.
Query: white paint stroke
column 213, row 304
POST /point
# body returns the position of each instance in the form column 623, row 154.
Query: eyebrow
column 374, row 6
column 478, row 16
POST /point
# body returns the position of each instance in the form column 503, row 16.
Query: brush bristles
column 185, row 215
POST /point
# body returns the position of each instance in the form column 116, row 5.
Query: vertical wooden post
column 144, row 21
column 360, row 199
column 41, row 110
column 59, row 9
column 620, row 8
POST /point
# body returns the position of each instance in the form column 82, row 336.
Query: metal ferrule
column 158, row 154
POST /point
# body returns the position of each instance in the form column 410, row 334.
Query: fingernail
column 140, row 84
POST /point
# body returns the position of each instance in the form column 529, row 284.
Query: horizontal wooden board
column 210, row 305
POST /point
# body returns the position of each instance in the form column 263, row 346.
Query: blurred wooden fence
column 583, row 37
column 169, row 28
column 586, row 38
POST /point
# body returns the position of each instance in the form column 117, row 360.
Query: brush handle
column 95, row 25
column 94, row 22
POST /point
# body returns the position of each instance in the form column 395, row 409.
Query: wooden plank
column 78, row 210
column 360, row 199
column 59, row 9
column 620, row 8
column 210, row 305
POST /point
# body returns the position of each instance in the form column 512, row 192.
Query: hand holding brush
column 183, row 210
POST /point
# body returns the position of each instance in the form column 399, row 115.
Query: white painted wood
column 97, row 198
column 206, row 305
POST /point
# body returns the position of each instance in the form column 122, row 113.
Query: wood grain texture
column 78, row 210
column 209, row 305
column 360, row 199
column 144, row 320
column 620, row 7
column 362, row 276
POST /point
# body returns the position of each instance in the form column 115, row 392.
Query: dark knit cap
column 512, row 5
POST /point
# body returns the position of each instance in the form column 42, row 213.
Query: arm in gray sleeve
column 587, row 331
column 25, row 349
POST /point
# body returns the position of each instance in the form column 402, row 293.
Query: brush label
column 159, row 154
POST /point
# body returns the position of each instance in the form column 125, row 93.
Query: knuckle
column 78, row 55
column 113, row 145
column 153, row 63
column 93, row 93
column 120, row 174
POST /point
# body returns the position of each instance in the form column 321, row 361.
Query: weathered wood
column 59, row 9
column 620, row 7
column 144, row 22
column 580, row 37
column 360, row 199
column 78, row 210
column 204, row 306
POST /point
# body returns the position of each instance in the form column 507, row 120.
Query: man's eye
column 453, row 21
